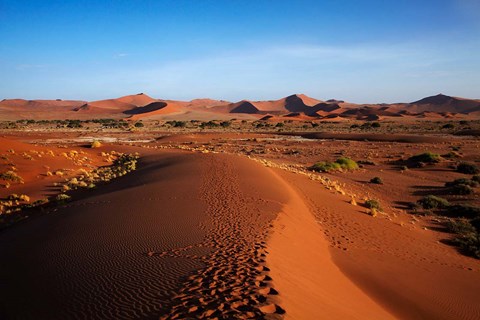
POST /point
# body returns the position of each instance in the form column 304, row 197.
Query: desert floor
column 232, row 225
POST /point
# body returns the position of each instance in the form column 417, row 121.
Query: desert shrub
column 16, row 197
column 62, row 198
column 426, row 157
column 460, row 226
column 433, row 202
column 463, row 210
column 213, row 124
column 177, row 124
column 139, row 125
column 373, row 204
column 11, row 176
column 467, row 182
column 339, row 164
column 462, row 189
column 375, row 125
column 280, row 125
column 468, row 168
column 95, row 144
column 469, row 244
column 376, row 180
column 448, row 126
column 225, row 124
column 347, row 163
column 452, row 155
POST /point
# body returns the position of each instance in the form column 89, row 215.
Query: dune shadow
column 429, row 190
column 149, row 170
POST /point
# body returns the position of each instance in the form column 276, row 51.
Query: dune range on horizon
column 296, row 106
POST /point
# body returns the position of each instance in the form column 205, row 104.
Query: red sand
column 215, row 235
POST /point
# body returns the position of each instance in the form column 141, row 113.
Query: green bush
column 460, row 226
column 138, row 125
column 376, row 180
column 462, row 189
column 468, row 168
column 469, row 243
column 341, row 163
column 347, row 163
column 426, row 157
column 433, row 202
column 373, row 204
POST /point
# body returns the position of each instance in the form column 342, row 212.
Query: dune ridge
column 101, row 256
column 134, row 107
column 311, row 285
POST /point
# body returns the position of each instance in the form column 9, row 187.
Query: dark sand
column 125, row 250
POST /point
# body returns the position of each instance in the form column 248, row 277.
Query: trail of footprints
column 234, row 283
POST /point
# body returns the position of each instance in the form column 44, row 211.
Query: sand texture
column 126, row 250
column 232, row 226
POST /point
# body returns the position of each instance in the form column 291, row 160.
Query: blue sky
column 360, row 51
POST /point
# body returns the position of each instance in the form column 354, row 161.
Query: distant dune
column 145, row 107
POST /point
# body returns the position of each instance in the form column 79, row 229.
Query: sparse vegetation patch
column 342, row 163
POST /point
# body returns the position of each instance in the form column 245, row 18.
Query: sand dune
column 109, row 256
column 294, row 103
column 149, row 108
column 406, row 272
column 192, row 235
column 439, row 106
column 311, row 285
column 138, row 100
column 443, row 103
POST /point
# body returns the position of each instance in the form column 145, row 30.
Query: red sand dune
column 155, row 109
column 139, row 100
column 443, row 103
column 293, row 103
column 191, row 235
column 439, row 106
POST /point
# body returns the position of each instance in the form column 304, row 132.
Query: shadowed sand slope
column 89, row 259
column 123, row 251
